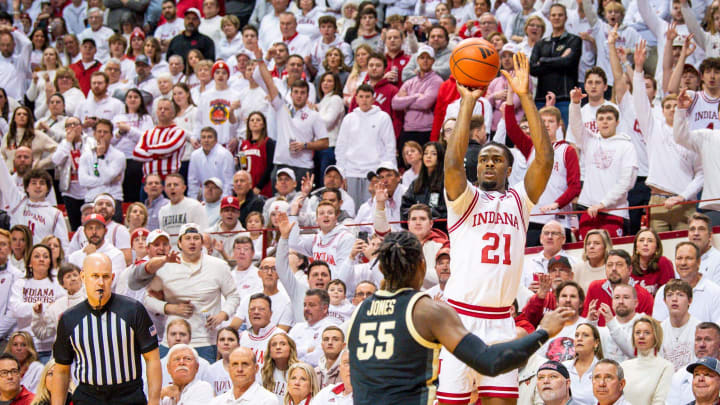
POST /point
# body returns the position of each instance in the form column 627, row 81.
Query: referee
column 105, row 336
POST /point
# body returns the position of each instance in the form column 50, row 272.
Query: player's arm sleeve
column 145, row 333
column 499, row 358
column 62, row 348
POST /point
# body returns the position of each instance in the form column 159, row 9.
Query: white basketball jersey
column 487, row 245
column 703, row 112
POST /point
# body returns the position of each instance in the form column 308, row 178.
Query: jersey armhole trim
column 467, row 211
column 411, row 326
column 350, row 324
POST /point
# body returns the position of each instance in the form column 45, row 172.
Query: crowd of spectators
column 240, row 161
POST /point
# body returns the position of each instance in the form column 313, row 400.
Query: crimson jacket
column 446, row 95
column 83, row 75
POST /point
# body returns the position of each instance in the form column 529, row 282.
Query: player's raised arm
column 455, row 179
column 436, row 321
column 539, row 171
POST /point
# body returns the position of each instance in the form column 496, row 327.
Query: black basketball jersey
column 390, row 362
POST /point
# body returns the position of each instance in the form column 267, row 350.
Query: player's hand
column 606, row 312
column 467, row 93
column 521, row 80
column 594, row 210
column 184, row 309
column 684, row 100
column 544, row 285
column 284, row 224
column 672, row 201
column 554, row 321
column 576, row 95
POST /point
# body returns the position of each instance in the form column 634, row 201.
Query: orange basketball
column 474, row 63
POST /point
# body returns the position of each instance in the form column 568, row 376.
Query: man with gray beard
column 553, row 384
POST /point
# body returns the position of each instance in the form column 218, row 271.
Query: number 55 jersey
column 390, row 362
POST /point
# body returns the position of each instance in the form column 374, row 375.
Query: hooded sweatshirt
column 332, row 247
column 610, row 166
column 374, row 131
column 384, row 94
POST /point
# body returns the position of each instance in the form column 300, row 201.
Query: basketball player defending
column 487, row 227
column 395, row 335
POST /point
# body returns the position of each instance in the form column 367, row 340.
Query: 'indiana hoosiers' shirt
column 106, row 345
column 27, row 292
column 487, row 243
column 218, row 377
column 703, row 112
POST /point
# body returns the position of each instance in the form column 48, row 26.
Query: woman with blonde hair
column 588, row 351
column 358, row 72
column 43, row 79
column 648, row 376
column 302, row 384
column 596, row 247
column 136, row 216
column 281, row 354
column 42, row 394
column 20, row 345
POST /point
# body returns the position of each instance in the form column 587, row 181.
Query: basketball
column 474, row 63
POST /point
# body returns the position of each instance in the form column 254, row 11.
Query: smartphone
column 363, row 235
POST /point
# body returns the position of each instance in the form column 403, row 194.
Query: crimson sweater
column 653, row 281
column 600, row 290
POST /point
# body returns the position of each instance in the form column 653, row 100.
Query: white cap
column 194, row 11
column 215, row 181
column 279, row 205
column 155, row 234
column 386, row 166
column 288, row 172
column 340, row 171
column 426, row 49
column 509, row 47
column 190, row 227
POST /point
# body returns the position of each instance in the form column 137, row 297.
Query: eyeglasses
column 268, row 269
column 550, row 233
column 71, row 124
column 488, row 23
column 14, row 373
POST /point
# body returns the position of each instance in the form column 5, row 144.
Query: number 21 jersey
column 487, row 245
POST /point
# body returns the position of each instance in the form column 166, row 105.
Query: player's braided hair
column 399, row 256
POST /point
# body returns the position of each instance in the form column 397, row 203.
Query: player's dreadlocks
column 399, row 256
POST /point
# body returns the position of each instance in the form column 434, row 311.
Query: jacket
column 182, row 44
column 374, row 129
column 554, row 72
column 434, row 200
column 447, row 93
column 63, row 163
column 418, row 101
column 252, row 202
column 25, row 397
column 41, row 145
column 133, row 11
column 83, row 75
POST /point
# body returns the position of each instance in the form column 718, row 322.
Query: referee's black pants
column 120, row 394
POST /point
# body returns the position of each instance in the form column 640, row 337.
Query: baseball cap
column 93, row 218
column 155, row 234
column 679, row 40
column 139, row 232
column 88, row 39
column 287, row 171
column 279, row 205
column 559, row 259
column 194, row 11
column 87, row 206
column 555, row 366
column 709, row 362
column 386, row 166
column 220, row 65
column 426, row 49
column 190, row 227
column 137, row 32
column 509, row 47
column 230, row 202
column 215, row 181
column 340, row 171
column 142, row 59
column 442, row 251
column 690, row 68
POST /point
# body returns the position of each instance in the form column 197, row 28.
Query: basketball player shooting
column 488, row 227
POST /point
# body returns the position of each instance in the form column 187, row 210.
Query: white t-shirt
column 678, row 345
column 218, row 378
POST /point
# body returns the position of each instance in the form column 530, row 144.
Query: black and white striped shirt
column 105, row 344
